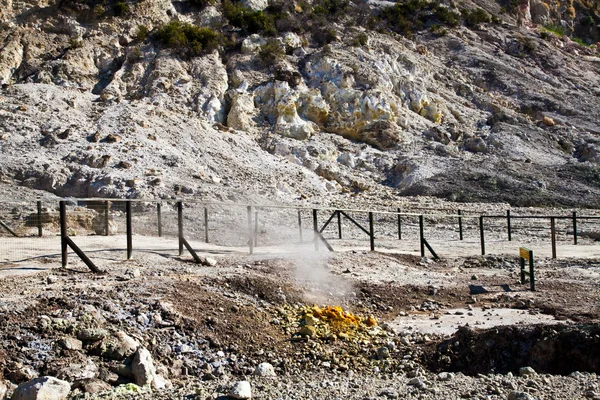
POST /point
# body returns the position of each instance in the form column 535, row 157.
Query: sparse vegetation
column 360, row 40
column 271, row 52
column 75, row 43
column 141, row 33
column 135, row 55
column 201, row 3
column 192, row 40
column 556, row 29
column 475, row 17
column 416, row 15
column 121, row 9
column 580, row 41
column 98, row 11
column 248, row 20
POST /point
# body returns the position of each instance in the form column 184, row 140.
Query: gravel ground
column 208, row 327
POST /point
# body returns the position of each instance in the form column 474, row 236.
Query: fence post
column 371, row 230
column 129, row 229
column 180, row 225
column 256, row 229
column 63, row 233
column 460, row 227
column 574, row 227
column 482, row 235
column 250, row 234
column 39, row 217
column 205, row 224
column 421, row 236
column 339, row 218
column 315, row 229
column 508, row 227
column 399, row 225
column 159, row 218
column 106, row 222
column 300, row 224
column 553, row 234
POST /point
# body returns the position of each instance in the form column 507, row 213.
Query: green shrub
column 201, row 3
column 248, row 20
column 447, row 17
column 75, row 43
column 331, row 8
column 141, row 33
column 98, row 11
column 121, row 9
column 415, row 15
column 325, row 36
column 475, row 17
column 587, row 20
column 556, row 29
column 135, row 55
column 360, row 40
column 496, row 20
column 271, row 52
column 192, row 39
column 580, row 41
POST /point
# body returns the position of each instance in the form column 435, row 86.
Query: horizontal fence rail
column 48, row 228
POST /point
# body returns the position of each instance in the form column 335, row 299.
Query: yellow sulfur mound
column 332, row 320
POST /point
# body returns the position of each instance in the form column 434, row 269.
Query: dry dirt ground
column 450, row 328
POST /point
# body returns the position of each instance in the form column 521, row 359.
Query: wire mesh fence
column 32, row 229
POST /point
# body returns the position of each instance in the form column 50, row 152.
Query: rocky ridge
column 91, row 107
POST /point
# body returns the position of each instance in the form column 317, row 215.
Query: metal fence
column 51, row 230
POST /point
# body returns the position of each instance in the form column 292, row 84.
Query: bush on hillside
column 248, row 20
column 191, row 39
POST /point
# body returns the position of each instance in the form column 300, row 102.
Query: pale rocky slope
column 494, row 113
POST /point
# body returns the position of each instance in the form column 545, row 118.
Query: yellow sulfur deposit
column 321, row 322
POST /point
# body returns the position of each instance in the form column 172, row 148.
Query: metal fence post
column 421, row 233
column 574, row 227
column 531, row 272
column 300, row 224
column 553, row 234
column 315, row 229
column 399, row 225
column 372, row 230
column 339, row 221
column 250, row 233
column 106, row 221
column 205, row 224
column 129, row 229
column 460, row 227
column 63, row 233
column 159, row 218
column 482, row 235
column 180, row 226
column 39, row 217
column 508, row 227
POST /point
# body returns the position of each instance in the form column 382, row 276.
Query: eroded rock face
column 474, row 95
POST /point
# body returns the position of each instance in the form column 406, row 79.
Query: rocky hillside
column 284, row 101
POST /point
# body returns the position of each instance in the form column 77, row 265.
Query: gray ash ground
column 208, row 327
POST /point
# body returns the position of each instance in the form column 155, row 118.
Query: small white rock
column 265, row 369
column 527, row 371
column 241, row 390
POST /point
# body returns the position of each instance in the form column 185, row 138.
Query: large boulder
column 44, row 388
column 142, row 367
column 144, row 372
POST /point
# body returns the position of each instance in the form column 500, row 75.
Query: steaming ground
column 207, row 327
